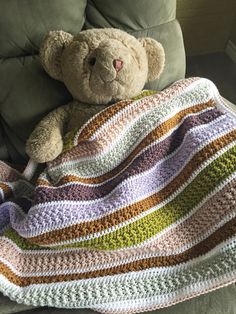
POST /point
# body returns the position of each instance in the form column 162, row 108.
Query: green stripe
column 147, row 285
column 114, row 156
column 19, row 241
column 137, row 232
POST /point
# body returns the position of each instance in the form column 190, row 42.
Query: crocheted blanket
column 137, row 213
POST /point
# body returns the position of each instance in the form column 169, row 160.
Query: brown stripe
column 154, row 135
column 86, row 149
column 101, row 118
column 223, row 233
column 42, row 182
column 109, row 112
column 6, row 189
column 151, row 137
column 194, row 228
column 128, row 212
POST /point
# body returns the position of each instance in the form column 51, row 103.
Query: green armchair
column 27, row 93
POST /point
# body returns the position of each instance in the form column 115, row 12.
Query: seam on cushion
column 94, row 5
column 129, row 29
column 2, row 58
column 152, row 27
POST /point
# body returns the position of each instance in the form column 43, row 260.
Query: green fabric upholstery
column 140, row 18
column 27, row 93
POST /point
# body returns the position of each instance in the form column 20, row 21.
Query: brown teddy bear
column 99, row 67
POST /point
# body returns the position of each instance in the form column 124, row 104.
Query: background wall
column 233, row 33
column 206, row 24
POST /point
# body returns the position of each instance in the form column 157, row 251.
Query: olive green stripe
column 19, row 241
column 137, row 232
column 146, row 227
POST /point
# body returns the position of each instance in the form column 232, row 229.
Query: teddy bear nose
column 118, row 64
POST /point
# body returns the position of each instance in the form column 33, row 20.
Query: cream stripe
column 149, row 211
column 86, row 205
column 176, row 88
column 166, row 300
column 2, row 195
column 159, row 271
column 147, row 253
column 123, row 138
column 140, row 153
column 152, row 240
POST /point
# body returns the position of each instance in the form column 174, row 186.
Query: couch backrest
column 152, row 18
column 27, row 93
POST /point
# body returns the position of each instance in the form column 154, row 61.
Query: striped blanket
column 137, row 213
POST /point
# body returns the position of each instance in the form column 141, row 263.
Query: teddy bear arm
column 46, row 141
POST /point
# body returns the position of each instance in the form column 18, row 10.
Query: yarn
column 137, row 213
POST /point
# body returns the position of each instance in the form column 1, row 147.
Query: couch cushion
column 26, row 92
column 140, row 18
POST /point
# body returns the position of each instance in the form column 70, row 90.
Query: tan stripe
column 42, row 182
column 109, row 112
column 7, row 173
column 128, row 212
column 102, row 118
column 223, row 233
column 87, row 148
column 6, row 189
column 190, row 231
column 153, row 136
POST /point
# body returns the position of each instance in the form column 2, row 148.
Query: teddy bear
column 98, row 67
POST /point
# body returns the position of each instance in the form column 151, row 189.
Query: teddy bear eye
column 92, row 61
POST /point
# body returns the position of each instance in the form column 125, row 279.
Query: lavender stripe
column 140, row 164
column 8, row 211
column 65, row 213
column 4, row 216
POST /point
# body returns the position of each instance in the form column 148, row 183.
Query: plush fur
column 98, row 67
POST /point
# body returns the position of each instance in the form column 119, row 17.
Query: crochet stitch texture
column 137, row 213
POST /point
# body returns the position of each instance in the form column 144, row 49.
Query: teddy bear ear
column 51, row 52
column 156, row 57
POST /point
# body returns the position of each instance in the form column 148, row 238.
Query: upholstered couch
column 27, row 93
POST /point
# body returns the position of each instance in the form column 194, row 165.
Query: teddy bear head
column 100, row 66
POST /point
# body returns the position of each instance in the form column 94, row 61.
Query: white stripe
column 140, row 153
column 83, row 285
column 160, row 110
column 147, row 212
column 133, row 258
column 170, row 299
column 83, row 204
column 2, row 195
column 181, row 220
